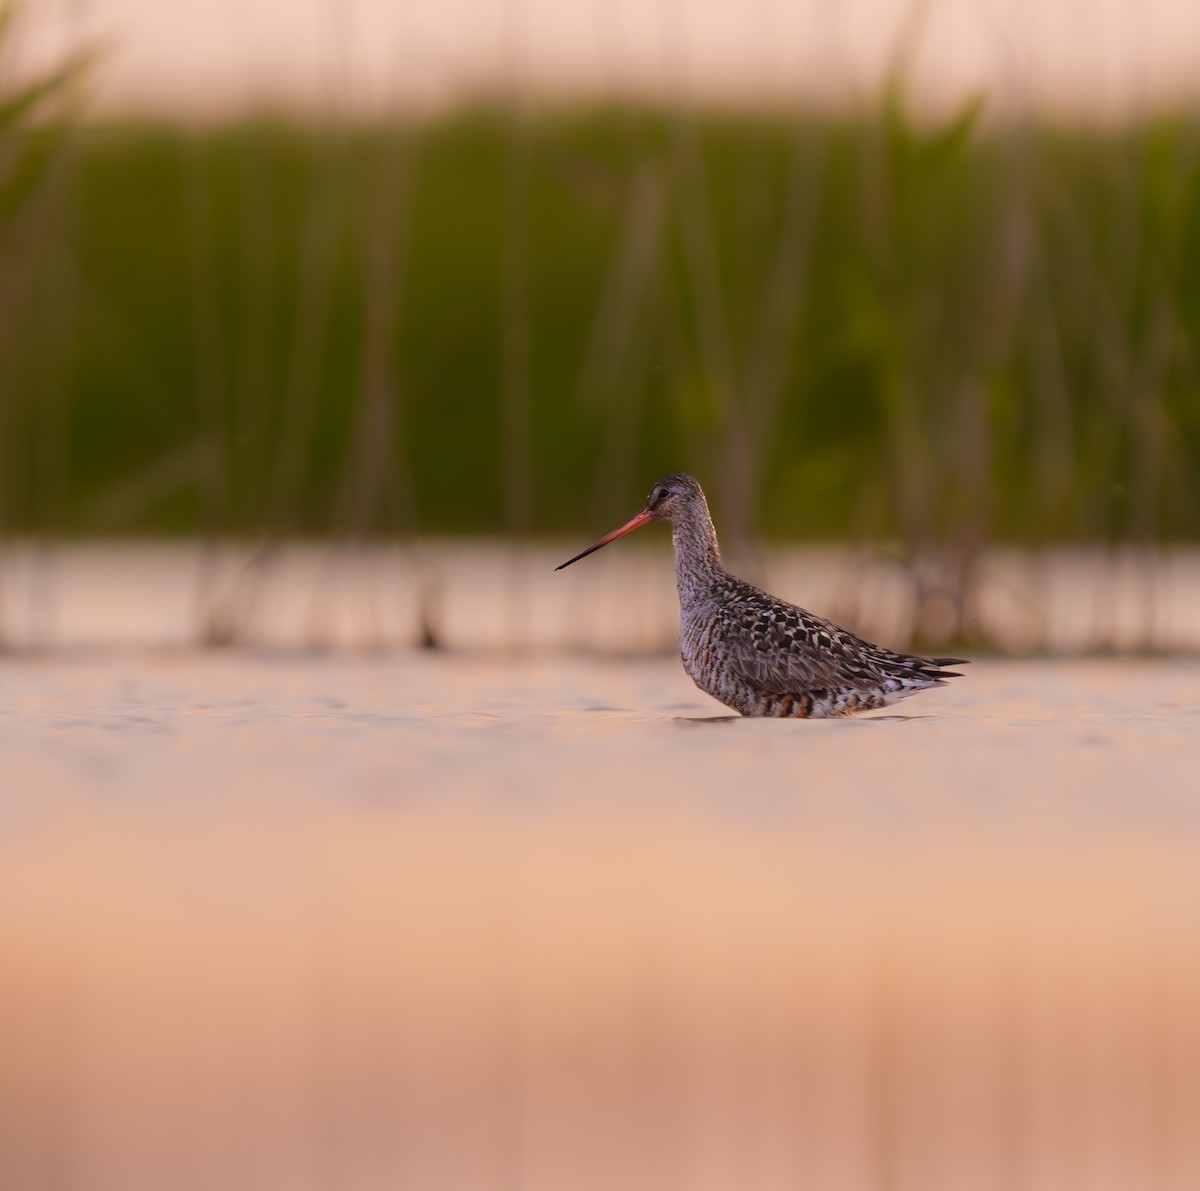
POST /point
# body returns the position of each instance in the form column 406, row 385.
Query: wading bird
column 755, row 653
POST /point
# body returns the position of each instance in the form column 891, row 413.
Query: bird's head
column 670, row 499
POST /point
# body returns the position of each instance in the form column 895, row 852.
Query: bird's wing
column 786, row 650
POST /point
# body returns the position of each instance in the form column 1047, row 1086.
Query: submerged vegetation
column 510, row 323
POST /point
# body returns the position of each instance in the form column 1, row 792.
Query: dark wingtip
column 951, row 662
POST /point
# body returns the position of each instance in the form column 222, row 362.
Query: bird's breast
column 699, row 645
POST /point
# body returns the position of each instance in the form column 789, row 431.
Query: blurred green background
column 511, row 320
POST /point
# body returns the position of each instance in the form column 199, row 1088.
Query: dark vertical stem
column 367, row 477
column 288, row 473
column 515, row 347
column 254, row 334
column 54, row 311
column 515, row 335
column 209, row 355
column 783, row 293
column 619, row 334
column 714, row 335
column 310, row 329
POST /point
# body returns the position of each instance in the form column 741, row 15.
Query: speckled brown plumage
column 757, row 654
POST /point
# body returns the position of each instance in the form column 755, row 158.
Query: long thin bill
column 633, row 523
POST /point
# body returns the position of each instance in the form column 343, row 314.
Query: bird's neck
column 697, row 556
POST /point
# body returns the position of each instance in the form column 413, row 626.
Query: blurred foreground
column 441, row 922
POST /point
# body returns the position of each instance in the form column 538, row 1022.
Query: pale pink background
column 1090, row 59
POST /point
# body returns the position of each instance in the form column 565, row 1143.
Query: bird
column 756, row 653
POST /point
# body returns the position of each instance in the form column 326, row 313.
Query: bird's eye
column 661, row 494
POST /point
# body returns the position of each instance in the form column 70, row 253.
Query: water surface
column 438, row 921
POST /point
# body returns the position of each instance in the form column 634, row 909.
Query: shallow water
column 442, row 921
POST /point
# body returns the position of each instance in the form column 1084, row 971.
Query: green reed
column 873, row 327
